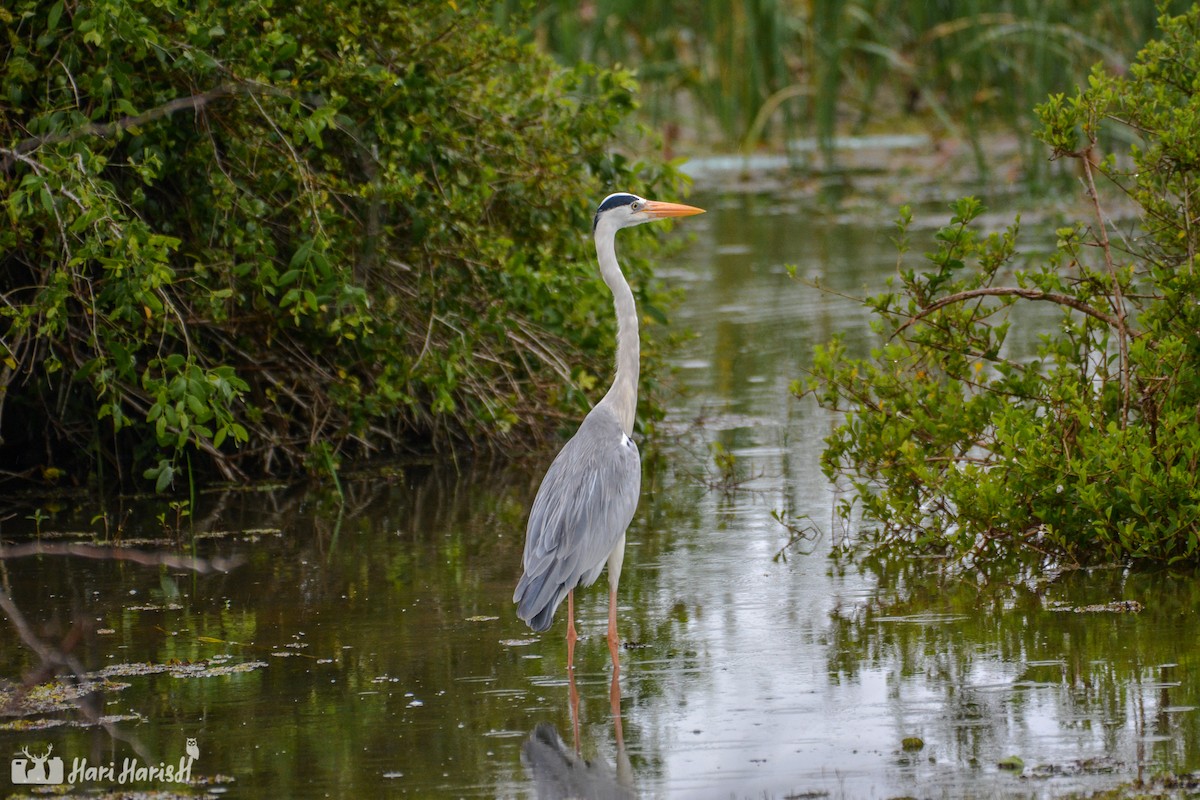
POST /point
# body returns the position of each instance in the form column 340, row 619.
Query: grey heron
column 587, row 498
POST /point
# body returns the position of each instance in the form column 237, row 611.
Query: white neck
column 622, row 396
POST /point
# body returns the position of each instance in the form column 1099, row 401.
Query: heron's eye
column 636, row 205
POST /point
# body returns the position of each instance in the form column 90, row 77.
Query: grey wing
column 581, row 511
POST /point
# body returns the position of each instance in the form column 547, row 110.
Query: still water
column 371, row 649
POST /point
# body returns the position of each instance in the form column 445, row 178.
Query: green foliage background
column 1090, row 450
column 744, row 73
column 281, row 234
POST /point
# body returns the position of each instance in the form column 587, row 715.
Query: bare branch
column 1014, row 291
column 194, row 102
column 47, row 654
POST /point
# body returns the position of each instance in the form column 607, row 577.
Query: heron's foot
column 614, row 648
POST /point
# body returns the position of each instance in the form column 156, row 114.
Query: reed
column 748, row 74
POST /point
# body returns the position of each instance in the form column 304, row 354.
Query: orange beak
column 660, row 210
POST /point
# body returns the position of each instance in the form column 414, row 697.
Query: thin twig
column 1118, row 299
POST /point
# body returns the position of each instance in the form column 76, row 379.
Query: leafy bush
column 1089, row 450
column 282, row 234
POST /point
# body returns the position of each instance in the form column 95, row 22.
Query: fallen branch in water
column 201, row 565
column 60, row 659
column 53, row 660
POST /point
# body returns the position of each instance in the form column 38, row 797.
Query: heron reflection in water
column 559, row 772
column 587, row 498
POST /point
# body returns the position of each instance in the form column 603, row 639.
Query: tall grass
column 744, row 74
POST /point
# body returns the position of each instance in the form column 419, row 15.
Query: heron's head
column 624, row 210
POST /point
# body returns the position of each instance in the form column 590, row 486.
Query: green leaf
column 165, row 476
column 53, row 16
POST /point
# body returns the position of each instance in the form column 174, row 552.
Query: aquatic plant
column 249, row 239
column 1089, row 451
column 744, row 73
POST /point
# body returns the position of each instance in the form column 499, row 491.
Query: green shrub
column 281, row 235
column 1089, row 450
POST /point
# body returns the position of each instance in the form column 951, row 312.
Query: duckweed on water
column 1014, row 763
column 64, row 694
column 207, row 668
column 1114, row 607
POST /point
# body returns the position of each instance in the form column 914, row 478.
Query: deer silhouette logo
column 32, row 769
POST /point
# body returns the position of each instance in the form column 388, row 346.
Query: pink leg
column 614, row 699
column 614, row 642
column 571, row 634
column 574, row 694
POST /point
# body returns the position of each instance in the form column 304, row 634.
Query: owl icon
column 193, row 749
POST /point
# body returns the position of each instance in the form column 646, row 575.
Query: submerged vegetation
column 248, row 239
column 738, row 74
column 1089, row 451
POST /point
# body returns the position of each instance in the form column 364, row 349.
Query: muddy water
column 371, row 650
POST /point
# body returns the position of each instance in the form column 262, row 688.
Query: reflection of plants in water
column 1004, row 652
column 713, row 462
column 722, row 471
column 726, row 464
column 799, row 529
column 393, row 591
